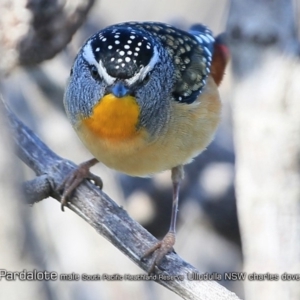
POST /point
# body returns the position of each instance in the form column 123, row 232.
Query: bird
column 143, row 98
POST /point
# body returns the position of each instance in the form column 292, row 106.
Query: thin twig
column 109, row 219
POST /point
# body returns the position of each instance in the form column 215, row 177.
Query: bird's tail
column 220, row 58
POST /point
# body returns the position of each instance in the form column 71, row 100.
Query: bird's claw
column 160, row 250
column 74, row 178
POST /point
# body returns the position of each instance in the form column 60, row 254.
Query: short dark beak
column 119, row 90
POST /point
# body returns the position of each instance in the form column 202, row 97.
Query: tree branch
column 33, row 33
column 105, row 216
column 37, row 189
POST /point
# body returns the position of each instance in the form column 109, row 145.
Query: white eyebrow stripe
column 90, row 58
column 88, row 54
column 143, row 71
column 102, row 71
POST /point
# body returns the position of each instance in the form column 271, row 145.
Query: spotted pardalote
column 143, row 99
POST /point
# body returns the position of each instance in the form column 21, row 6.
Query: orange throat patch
column 114, row 118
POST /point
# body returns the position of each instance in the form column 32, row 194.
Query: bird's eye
column 147, row 77
column 94, row 72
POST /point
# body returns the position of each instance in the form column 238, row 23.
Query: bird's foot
column 160, row 249
column 75, row 177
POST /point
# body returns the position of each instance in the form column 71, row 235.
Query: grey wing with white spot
column 191, row 53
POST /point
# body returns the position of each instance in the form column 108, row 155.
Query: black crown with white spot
column 126, row 48
column 122, row 50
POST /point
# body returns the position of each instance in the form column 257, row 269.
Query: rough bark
column 102, row 213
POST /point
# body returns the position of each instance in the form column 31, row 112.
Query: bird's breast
column 120, row 146
column 114, row 119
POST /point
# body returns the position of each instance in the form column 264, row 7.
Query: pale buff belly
column 190, row 129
